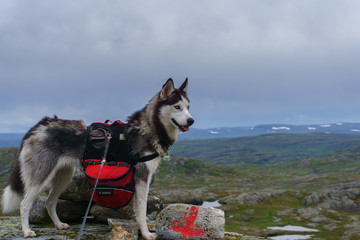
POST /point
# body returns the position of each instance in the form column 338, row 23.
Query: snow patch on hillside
column 213, row 132
column 281, row 128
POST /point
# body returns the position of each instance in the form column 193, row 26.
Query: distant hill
column 11, row 139
column 264, row 149
column 14, row 139
column 225, row 132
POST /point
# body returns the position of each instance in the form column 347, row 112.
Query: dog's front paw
column 150, row 236
column 62, row 226
column 29, row 233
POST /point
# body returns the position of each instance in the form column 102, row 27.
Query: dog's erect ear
column 184, row 85
column 167, row 89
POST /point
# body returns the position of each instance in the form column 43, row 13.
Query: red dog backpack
column 115, row 186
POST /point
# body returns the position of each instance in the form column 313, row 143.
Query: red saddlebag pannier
column 115, row 186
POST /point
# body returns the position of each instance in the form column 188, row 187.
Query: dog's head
column 174, row 112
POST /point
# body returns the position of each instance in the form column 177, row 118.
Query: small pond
column 211, row 204
column 294, row 229
column 292, row 236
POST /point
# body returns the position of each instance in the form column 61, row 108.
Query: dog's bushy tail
column 10, row 200
column 13, row 193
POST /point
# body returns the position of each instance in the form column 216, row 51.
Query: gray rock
column 313, row 214
column 154, row 204
column 67, row 211
column 352, row 232
column 129, row 223
column 338, row 199
column 179, row 195
column 195, row 201
column 101, row 214
column 126, row 229
column 123, row 233
column 253, row 197
column 184, row 221
column 78, row 189
column 313, row 199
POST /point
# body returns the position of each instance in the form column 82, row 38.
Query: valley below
column 256, row 199
column 298, row 187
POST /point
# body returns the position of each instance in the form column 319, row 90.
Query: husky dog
column 52, row 149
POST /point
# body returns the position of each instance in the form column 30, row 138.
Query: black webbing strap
column 146, row 158
column 108, row 137
column 118, row 164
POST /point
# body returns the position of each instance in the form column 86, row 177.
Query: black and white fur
column 52, row 149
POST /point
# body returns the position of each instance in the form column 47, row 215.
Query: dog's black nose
column 190, row 121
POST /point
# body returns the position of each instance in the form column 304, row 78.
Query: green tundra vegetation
column 309, row 180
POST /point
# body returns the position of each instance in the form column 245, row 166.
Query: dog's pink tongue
column 185, row 128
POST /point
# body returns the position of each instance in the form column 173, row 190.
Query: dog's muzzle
column 184, row 128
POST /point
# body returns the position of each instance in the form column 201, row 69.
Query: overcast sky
column 248, row 62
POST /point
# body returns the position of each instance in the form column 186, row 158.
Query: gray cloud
column 248, row 62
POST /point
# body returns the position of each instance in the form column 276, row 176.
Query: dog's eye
column 177, row 107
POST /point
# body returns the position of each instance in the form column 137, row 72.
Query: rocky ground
column 10, row 228
column 305, row 194
column 105, row 223
column 334, row 212
column 329, row 203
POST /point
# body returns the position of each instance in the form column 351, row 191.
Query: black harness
column 118, row 150
column 108, row 163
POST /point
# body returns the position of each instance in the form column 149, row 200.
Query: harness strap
column 146, row 158
column 118, row 164
column 88, row 208
column 97, row 180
